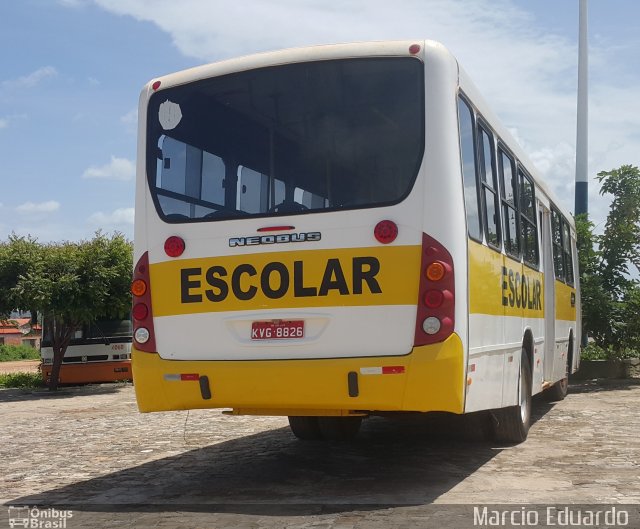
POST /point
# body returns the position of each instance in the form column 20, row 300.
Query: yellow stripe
column 500, row 286
column 564, row 310
column 397, row 278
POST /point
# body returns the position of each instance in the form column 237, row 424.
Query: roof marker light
column 155, row 85
column 414, row 48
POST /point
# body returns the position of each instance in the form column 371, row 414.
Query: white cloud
column 116, row 218
column 42, row 207
column 130, row 120
column 117, row 169
column 32, row 79
column 527, row 75
column 72, row 3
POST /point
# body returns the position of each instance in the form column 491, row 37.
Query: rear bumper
column 432, row 380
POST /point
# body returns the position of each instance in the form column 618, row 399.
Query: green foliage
column 595, row 352
column 610, row 295
column 10, row 353
column 21, row 380
column 69, row 284
column 18, row 255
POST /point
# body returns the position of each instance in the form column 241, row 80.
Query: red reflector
column 386, row 231
column 174, row 246
column 189, row 376
column 392, row 370
column 140, row 311
column 156, row 85
column 277, row 228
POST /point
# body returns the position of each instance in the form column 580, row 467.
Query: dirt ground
column 19, row 366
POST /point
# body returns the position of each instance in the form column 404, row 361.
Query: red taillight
column 142, row 310
column 385, row 231
column 433, row 298
column 174, row 246
column 436, row 302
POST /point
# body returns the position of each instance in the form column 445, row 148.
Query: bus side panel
column 506, row 300
column 565, row 326
column 428, row 379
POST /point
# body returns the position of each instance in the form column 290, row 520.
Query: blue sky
column 71, row 72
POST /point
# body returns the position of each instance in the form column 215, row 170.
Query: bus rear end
column 284, row 262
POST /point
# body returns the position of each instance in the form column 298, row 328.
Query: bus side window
column 566, row 247
column 467, row 153
column 490, row 202
column 558, row 257
column 529, row 230
column 509, row 193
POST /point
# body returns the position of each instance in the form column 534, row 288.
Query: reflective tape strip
column 386, row 370
column 371, row 371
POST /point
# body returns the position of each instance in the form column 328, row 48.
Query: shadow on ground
column 64, row 392
column 406, row 460
column 603, row 384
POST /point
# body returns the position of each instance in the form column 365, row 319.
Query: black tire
column 560, row 389
column 305, row 428
column 512, row 424
column 339, row 428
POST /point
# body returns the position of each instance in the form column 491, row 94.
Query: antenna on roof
column 582, row 162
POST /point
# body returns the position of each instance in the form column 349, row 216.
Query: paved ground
column 90, row 450
column 19, row 366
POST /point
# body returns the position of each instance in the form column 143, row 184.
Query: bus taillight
column 143, row 332
column 436, row 301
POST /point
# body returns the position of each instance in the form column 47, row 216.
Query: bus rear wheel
column 513, row 423
column 305, row 428
column 339, row 428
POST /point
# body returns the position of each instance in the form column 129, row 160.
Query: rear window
column 289, row 139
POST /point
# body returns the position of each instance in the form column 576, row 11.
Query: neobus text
column 275, row 280
column 520, row 290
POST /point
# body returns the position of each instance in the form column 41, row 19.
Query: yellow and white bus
column 337, row 231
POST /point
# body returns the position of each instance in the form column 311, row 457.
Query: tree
column 18, row 255
column 70, row 284
column 610, row 294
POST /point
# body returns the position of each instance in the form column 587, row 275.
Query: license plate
column 277, row 330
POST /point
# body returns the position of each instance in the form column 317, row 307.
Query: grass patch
column 11, row 353
column 21, row 380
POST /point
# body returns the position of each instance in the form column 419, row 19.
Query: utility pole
column 582, row 143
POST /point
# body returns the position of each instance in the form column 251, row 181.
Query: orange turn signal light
column 435, row 271
column 138, row 287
